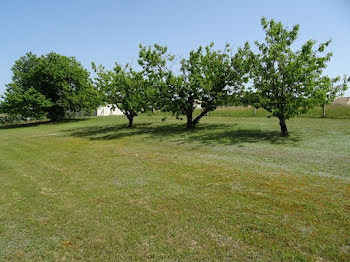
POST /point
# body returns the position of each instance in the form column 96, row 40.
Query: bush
column 5, row 118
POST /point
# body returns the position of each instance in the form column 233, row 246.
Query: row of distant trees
column 284, row 81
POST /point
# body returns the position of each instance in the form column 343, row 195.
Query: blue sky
column 107, row 31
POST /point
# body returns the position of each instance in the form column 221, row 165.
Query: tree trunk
column 131, row 118
column 283, row 126
column 254, row 111
column 56, row 113
column 203, row 113
column 324, row 111
column 192, row 123
column 189, row 124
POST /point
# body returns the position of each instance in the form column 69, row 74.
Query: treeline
column 283, row 81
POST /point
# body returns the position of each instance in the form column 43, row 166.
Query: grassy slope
column 232, row 189
column 332, row 111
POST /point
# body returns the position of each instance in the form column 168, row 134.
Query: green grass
column 233, row 189
column 332, row 111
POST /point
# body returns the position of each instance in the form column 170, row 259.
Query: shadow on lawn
column 39, row 123
column 204, row 133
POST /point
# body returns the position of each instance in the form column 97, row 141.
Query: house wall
column 108, row 111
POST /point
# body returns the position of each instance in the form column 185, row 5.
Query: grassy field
column 332, row 111
column 233, row 189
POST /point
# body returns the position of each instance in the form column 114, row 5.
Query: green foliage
column 125, row 88
column 49, row 86
column 287, row 82
column 5, row 119
column 206, row 77
column 331, row 89
column 21, row 102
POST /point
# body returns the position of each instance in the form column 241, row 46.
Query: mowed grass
column 332, row 111
column 233, row 189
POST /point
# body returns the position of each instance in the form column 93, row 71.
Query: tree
column 25, row 103
column 332, row 90
column 250, row 98
column 206, row 77
column 124, row 88
column 49, row 85
column 287, row 82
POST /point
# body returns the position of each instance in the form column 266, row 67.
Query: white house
column 108, row 111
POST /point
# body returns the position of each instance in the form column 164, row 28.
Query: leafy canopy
column 25, row 103
column 288, row 82
column 49, row 85
column 206, row 77
column 333, row 87
column 125, row 88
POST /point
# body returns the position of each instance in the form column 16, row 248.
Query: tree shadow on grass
column 209, row 134
column 40, row 123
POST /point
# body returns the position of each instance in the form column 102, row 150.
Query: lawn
column 233, row 189
column 332, row 111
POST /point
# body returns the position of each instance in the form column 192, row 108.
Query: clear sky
column 107, row 31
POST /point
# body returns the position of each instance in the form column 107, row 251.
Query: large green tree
column 288, row 81
column 206, row 77
column 50, row 85
column 125, row 88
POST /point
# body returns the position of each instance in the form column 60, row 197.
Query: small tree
column 205, row 78
column 126, row 89
column 331, row 91
column 250, row 98
column 287, row 82
column 49, row 85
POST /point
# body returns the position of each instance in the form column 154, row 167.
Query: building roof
column 342, row 101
